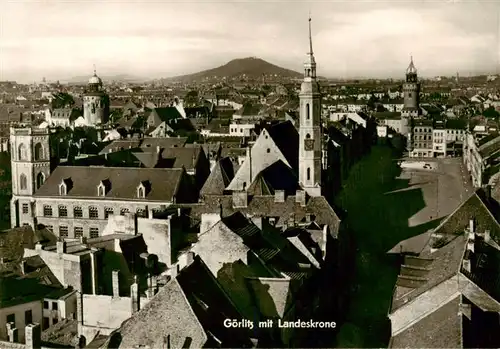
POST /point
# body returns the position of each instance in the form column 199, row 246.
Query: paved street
column 384, row 206
column 444, row 188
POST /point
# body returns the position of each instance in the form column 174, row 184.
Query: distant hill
column 252, row 67
column 106, row 79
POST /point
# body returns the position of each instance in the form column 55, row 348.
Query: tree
column 491, row 113
column 62, row 100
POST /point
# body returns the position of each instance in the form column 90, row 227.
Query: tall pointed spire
column 310, row 36
column 310, row 64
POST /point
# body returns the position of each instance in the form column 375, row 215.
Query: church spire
column 310, row 64
column 310, row 36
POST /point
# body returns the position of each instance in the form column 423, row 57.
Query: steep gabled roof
column 277, row 176
column 286, row 138
column 219, row 178
column 190, row 309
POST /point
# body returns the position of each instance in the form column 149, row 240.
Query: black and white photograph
column 249, row 174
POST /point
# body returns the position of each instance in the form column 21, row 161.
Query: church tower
column 310, row 133
column 30, row 163
column 95, row 102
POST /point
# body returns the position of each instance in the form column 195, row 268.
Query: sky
column 60, row 39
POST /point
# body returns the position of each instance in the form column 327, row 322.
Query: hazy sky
column 61, row 39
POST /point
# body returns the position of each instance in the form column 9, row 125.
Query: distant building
column 95, row 102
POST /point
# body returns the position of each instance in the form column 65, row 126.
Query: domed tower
column 95, row 102
column 310, row 133
column 411, row 93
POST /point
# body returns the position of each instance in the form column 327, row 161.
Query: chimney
column 466, row 264
column 23, row 267
column 470, row 245
column 487, row 236
column 135, row 297
column 240, row 199
column 150, row 292
column 83, row 239
column 249, row 157
column 12, row 332
column 61, row 247
column 33, row 335
column 471, row 226
column 279, row 196
column 79, row 308
column 300, row 197
column 116, row 283
column 291, row 220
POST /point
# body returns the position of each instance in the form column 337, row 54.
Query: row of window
column 93, row 212
column 77, row 231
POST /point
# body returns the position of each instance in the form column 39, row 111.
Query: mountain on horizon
column 252, row 67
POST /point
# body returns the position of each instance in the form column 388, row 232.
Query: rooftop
column 120, row 182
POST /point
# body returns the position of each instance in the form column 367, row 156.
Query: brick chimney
column 135, row 296
column 61, row 247
column 33, row 335
column 487, row 236
column 240, row 199
column 300, row 197
column 279, row 196
column 116, row 283
column 472, row 226
column 12, row 332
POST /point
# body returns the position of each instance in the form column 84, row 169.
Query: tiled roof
column 440, row 329
column 167, row 114
column 475, row 208
column 248, row 109
column 62, row 333
column 277, row 176
column 265, row 206
column 168, row 142
column 420, row 274
column 121, row 144
column 191, row 306
column 286, row 138
column 219, row 178
column 124, row 181
column 14, row 241
column 168, row 317
column 186, row 157
column 485, row 268
column 489, row 148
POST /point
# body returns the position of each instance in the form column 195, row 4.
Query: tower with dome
column 95, row 102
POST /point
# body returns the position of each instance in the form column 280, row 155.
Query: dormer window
column 143, row 189
column 65, row 186
column 103, row 188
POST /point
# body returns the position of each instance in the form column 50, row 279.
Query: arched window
column 38, row 151
column 308, row 173
column 308, row 112
column 23, row 182
column 21, row 153
column 40, row 178
column 308, row 136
